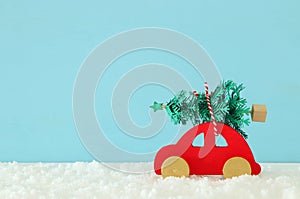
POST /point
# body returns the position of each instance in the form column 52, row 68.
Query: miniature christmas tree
column 226, row 104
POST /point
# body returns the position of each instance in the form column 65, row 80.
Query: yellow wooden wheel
column 175, row 166
column 236, row 166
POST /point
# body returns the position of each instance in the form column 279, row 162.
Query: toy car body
column 232, row 160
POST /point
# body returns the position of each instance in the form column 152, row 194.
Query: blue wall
column 43, row 44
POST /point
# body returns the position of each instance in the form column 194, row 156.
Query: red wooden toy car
column 184, row 159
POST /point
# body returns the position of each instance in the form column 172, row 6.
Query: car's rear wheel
column 175, row 166
column 236, row 166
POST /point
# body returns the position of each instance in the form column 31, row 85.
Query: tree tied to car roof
column 227, row 104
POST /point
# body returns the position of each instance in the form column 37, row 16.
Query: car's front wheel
column 236, row 166
column 175, row 166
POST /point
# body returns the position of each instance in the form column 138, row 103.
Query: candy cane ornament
column 210, row 109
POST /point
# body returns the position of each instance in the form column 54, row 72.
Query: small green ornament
column 157, row 106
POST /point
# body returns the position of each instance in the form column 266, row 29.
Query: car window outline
column 221, row 145
column 202, row 140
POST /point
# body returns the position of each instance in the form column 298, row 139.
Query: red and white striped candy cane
column 210, row 109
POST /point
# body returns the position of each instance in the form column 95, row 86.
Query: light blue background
column 43, row 43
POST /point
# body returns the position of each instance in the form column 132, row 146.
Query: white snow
column 94, row 180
